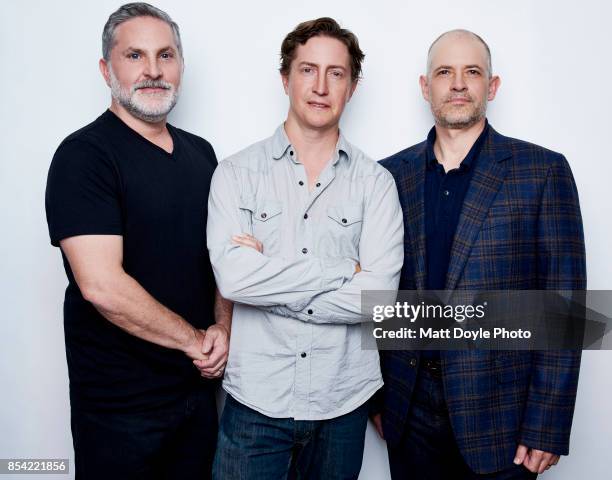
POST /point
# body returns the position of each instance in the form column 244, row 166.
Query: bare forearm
column 125, row 303
column 223, row 311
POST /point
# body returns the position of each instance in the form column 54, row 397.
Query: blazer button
column 413, row 362
column 303, row 355
column 264, row 215
column 304, row 250
column 344, row 220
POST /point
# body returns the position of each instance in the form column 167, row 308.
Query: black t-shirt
column 106, row 179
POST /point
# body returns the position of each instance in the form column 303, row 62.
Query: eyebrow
column 141, row 51
column 310, row 64
column 449, row 67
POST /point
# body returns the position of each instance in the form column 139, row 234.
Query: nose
column 458, row 84
column 152, row 69
column 320, row 86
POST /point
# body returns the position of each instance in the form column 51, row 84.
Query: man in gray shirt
column 298, row 225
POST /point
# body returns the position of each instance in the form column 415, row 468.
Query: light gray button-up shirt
column 295, row 348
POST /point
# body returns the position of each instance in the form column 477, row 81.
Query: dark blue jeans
column 176, row 441
column 428, row 450
column 252, row 446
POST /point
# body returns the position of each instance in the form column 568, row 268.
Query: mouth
column 459, row 100
column 152, row 89
column 318, row 105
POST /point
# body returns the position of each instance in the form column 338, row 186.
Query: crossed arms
column 309, row 288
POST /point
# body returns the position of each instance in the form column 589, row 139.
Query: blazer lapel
column 489, row 174
column 413, row 189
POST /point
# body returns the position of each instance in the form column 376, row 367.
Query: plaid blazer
column 520, row 228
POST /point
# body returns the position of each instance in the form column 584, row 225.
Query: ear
column 104, row 70
column 424, row 83
column 285, row 79
column 494, row 84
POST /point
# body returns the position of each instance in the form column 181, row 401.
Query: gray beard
column 126, row 99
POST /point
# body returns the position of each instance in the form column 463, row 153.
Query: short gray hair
column 460, row 31
column 133, row 10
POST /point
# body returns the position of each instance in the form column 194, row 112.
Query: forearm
column 126, row 304
column 344, row 306
column 246, row 276
column 223, row 311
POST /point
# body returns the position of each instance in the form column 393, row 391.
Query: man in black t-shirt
column 126, row 202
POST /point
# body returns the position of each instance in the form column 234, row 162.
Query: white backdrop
column 553, row 58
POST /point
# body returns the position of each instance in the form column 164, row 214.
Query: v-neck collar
column 175, row 144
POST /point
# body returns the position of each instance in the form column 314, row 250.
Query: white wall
column 553, row 57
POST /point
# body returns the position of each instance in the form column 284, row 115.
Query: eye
column 133, row 56
column 337, row 74
column 167, row 55
column 307, row 69
column 444, row 71
column 473, row 71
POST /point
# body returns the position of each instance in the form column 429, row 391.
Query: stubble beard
column 459, row 120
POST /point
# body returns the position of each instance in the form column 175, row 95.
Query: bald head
column 459, row 35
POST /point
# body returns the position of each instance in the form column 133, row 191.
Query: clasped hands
column 209, row 350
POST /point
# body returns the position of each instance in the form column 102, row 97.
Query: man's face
column 458, row 86
column 319, row 82
column 145, row 68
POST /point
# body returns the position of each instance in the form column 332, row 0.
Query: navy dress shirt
column 444, row 195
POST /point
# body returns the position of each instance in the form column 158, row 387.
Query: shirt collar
column 281, row 144
column 471, row 156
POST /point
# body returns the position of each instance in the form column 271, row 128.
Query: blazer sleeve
column 547, row 419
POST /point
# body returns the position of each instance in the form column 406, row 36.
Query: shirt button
column 446, row 192
column 344, row 220
column 413, row 362
column 305, row 216
column 264, row 215
column 303, row 355
column 310, row 311
column 304, row 250
column 318, row 184
column 301, row 183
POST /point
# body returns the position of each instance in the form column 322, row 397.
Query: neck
column 149, row 130
column 453, row 145
column 313, row 145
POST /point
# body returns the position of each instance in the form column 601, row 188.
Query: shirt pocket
column 265, row 221
column 343, row 230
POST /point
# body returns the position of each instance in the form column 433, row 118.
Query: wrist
column 192, row 343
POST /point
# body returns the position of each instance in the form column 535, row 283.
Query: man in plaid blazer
column 484, row 212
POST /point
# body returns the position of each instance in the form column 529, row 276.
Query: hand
column 194, row 349
column 535, row 460
column 357, row 268
column 247, row 240
column 377, row 421
column 216, row 348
